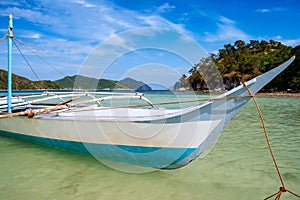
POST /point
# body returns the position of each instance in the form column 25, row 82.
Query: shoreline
column 259, row 94
column 278, row 94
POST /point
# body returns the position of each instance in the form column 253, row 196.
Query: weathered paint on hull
column 152, row 157
column 151, row 140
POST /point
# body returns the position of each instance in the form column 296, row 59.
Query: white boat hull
column 164, row 139
column 116, row 141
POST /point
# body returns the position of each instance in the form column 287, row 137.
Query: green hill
column 22, row 83
column 70, row 82
column 243, row 61
column 236, row 62
column 82, row 82
column 136, row 85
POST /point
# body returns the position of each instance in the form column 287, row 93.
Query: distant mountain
column 136, row 85
column 78, row 81
column 71, row 82
column 82, row 82
column 22, row 83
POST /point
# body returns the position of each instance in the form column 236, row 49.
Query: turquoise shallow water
column 238, row 167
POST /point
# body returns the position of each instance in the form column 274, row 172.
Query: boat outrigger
column 152, row 137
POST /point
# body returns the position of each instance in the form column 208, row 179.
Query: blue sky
column 72, row 29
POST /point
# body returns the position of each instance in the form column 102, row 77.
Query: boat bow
column 154, row 138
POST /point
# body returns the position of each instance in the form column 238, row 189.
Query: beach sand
column 279, row 94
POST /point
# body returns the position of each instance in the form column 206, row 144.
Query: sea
column 239, row 166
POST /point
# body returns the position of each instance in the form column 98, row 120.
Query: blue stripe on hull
column 153, row 157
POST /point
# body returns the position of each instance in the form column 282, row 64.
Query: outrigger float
column 151, row 137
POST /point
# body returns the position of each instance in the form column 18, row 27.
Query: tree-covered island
column 242, row 61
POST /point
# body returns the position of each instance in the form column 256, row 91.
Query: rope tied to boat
column 282, row 189
column 153, row 105
column 6, row 36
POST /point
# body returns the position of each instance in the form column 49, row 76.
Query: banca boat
column 152, row 138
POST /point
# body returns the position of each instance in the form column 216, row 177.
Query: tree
column 243, row 61
column 239, row 44
column 229, row 48
column 254, row 44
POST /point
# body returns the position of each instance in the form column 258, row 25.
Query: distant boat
column 152, row 137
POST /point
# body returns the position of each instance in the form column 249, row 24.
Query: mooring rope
column 282, row 189
column 3, row 38
column 27, row 62
column 58, row 110
column 49, row 54
column 156, row 104
column 45, row 61
column 29, row 113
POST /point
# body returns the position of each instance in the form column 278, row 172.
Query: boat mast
column 9, row 73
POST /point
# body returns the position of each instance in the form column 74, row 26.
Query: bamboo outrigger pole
column 9, row 72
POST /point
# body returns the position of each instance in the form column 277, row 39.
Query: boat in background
column 143, row 135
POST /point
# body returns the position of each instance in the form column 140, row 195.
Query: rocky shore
column 278, row 94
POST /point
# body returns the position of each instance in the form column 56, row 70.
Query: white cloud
column 264, row 10
column 114, row 46
column 3, row 32
column 270, row 10
column 227, row 31
column 10, row 3
column 116, row 41
column 225, row 20
column 31, row 35
column 291, row 42
column 85, row 4
column 35, row 36
column 279, row 38
column 77, row 20
column 30, row 15
column 72, row 30
column 160, row 22
column 166, row 7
